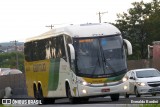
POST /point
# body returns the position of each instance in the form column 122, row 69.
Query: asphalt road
column 99, row 102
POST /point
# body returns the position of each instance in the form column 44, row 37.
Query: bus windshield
column 100, row 56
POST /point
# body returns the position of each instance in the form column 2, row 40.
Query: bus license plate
column 105, row 90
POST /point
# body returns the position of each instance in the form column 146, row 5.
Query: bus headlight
column 83, row 83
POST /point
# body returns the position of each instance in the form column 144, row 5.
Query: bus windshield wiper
column 106, row 63
column 97, row 64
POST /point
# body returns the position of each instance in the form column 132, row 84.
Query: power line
column 15, row 46
column 51, row 26
column 100, row 15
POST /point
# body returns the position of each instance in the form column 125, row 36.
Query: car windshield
column 147, row 73
column 100, row 56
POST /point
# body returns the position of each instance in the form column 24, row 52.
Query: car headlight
column 141, row 84
column 124, row 79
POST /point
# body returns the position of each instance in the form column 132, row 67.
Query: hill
column 6, row 44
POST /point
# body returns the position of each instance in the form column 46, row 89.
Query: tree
column 141, row 26
column 8, row 60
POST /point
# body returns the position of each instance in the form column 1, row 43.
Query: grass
column 1, row 105
column 150, row 105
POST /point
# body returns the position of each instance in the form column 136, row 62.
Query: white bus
column 77, row 61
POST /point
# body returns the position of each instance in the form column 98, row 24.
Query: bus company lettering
column 39, row 67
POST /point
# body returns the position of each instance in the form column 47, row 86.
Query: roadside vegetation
column 8, row 60
column 150, row 105
column 141, row 26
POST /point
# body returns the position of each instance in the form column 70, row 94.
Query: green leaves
column 8, row 60
column 141, row 26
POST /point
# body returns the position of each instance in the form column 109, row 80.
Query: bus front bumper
column 86, row 91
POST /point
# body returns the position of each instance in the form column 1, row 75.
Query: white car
column 142, row 81
column 10, row 72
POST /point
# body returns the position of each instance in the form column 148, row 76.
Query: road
column 99, row 102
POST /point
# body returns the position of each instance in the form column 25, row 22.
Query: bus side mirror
column 129, row 46
column 72, row 51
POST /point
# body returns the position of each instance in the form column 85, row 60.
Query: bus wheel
column 40, row 92
column 49, row 101
column 72, row 100
column 85, row 100
column 35, row 92
column 114, row 97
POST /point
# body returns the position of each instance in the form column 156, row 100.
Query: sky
column 22, row 19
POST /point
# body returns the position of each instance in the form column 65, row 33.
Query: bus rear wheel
column 40, row 94
column 35, row 92
column 114, row 97
column 41, row 97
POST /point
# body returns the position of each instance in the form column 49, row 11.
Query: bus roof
column 81, row 30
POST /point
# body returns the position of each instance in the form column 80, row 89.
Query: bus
column 77, row 61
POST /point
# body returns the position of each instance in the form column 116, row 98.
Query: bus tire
column 72, row 100
column 35, row 92
column 114, row 97
column 85, row 100
column 48, row 101
column 40, row 94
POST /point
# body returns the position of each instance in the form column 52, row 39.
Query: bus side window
column 68, row 41
column 69, row 55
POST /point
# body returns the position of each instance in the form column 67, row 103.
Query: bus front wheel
column 35, row 91
column 72, row 100
column 114, row 97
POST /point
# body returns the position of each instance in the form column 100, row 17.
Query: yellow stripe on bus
column 95, row 80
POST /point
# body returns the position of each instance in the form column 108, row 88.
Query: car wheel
column 114, row 97
column 126, row 95
column 136, row 92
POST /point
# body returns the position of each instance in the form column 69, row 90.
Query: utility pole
column 15, row 47
column 51, row 26
column 99, row 14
